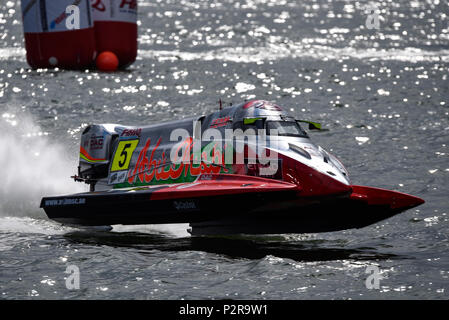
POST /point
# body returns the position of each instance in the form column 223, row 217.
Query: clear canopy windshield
column 286, row 128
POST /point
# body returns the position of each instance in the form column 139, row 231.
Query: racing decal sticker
column 123, row 154
column 261, row 104
column 131, row 132
column 64, row 202
column 220, row 122
column 96, row 142
column 185, row 205
column 117, row 177
column 87, row 157
column 149, row 169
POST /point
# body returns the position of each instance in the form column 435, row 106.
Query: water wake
column 178, row 230
column 32, row 166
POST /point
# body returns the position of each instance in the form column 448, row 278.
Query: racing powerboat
column 249, row 168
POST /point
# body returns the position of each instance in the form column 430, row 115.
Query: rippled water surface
column 382, row 93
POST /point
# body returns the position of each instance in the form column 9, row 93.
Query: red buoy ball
column 107, row 61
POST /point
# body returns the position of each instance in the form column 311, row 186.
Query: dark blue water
column 382, row 93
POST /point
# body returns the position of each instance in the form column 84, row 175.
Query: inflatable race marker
column 107, row 61
column 58, row 33
column 115, row 24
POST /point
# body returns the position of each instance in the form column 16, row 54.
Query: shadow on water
column 234, row 247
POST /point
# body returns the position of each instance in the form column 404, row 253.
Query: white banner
column 114, row 10
column 51, row 15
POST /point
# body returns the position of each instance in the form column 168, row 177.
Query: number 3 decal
column 123, row 154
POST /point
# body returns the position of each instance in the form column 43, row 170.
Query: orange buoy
column 107, row 61
column 115, row 23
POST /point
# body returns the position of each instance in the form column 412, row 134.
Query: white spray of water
column 30, row 225
column 177, row 230
column 32, row 165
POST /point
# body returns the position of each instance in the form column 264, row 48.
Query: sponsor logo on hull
column 65, row 202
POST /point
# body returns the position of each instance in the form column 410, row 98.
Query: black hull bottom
column 255, row 213
column 333, row 216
